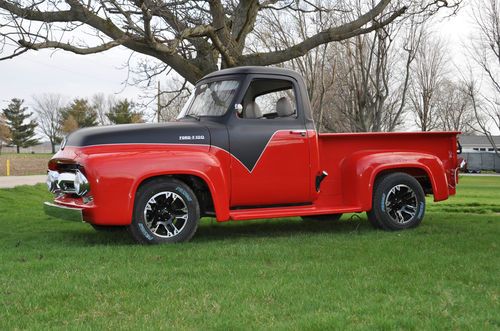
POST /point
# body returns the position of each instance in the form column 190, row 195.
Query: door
column 270, row 163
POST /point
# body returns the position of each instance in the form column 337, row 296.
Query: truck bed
column 341, row 155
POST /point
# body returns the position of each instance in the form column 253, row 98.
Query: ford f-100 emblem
column 198, row 137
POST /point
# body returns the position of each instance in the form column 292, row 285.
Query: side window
column 270, row 99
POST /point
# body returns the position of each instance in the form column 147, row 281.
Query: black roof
column 254, row 70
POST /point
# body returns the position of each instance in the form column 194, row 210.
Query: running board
column 278, row 212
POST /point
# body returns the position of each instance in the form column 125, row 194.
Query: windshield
column 210, row 99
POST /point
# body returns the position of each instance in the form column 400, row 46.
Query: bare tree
column 173, row 99
column 484, row 111
column 487, row 42
column 372, row 96
column 454, row 107
column 429, row 72
column 366, row 86
column 356, row 85
column 407, row 52
column 192, row 37
column 278, row 29
column 372, row 78
column 103, row 104
column 47, row 109
column 485, row 51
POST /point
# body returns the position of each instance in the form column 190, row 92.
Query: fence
column 42, row 148
column 482, row 161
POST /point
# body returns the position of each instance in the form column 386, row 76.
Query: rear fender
column 360, row 171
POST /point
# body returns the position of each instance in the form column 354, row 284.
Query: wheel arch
column 194, row 182
column 202, row 185
column 420, row 173
column 426, row 177
column 368, row 167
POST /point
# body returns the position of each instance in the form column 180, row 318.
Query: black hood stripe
column 248, row 146
column 175, row 132
column 250, row 167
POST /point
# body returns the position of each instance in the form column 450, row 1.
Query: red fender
column 116, row 171
column 364, row 167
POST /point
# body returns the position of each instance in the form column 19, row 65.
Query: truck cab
column 245, row 147
column 265, row 128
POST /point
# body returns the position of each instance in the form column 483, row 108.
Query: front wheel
column 398, row 202
column 165, row 211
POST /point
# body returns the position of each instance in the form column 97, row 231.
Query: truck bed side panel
column 353, row 162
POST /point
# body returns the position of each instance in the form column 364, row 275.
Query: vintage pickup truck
column 245, row 147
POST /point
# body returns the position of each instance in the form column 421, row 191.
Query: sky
column 72, row 75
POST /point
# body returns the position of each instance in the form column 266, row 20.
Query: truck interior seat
column 284, row 107
column 252, row 110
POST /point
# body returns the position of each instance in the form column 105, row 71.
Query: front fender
column 116, row 175
column 363, row 168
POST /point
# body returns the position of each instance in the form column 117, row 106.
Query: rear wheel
column 322, row 218
column 398, row 202
column 165, row 211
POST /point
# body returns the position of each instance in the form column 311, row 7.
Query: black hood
column 162, row 133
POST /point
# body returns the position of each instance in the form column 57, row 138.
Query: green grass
column 279, row 274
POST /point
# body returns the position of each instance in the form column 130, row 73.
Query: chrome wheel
column 166, row 214
column 401, row 204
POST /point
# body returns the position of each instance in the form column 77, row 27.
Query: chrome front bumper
column 63, row 212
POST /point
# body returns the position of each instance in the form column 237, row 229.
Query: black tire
column 108, row 228
column 165, row 211
column 322, row 218
column 398, row 202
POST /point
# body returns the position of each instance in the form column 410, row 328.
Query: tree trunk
column 17, row 147
column 53, row 145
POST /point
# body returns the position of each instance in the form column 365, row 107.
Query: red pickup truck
column 245, row 147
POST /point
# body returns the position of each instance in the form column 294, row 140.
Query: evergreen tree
column 122, row 113
column 22, row 133
column 79, row 114
column 4, row 132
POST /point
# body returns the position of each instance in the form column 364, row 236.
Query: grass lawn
column 280, row 274
column 24, row 163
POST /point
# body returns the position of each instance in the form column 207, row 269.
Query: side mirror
column 239, row 108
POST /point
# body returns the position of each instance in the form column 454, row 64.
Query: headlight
column 81, row 184
column 52, row 179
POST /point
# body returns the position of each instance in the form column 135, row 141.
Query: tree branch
column 68, row 47
column 345, row 31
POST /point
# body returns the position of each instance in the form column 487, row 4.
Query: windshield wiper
column 193, row 116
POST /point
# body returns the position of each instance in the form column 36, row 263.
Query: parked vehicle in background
column 245, row 147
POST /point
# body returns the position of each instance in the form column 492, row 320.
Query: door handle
column 301, row 132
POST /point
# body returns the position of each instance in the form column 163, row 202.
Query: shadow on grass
column 279, row 228
column 91, row 237
column 210, row 231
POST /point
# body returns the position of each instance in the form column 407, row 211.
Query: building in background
column 472, row 144
column 480, row 154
